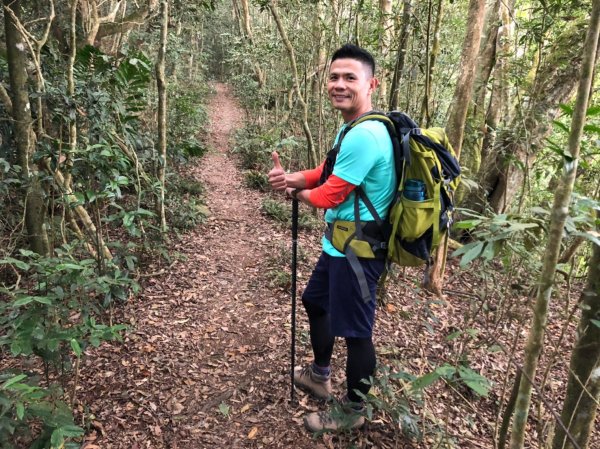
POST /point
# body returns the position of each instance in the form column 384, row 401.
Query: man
column 332, row 298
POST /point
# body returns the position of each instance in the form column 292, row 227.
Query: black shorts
column 334, row 287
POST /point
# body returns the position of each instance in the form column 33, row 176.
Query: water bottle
column 414, row 190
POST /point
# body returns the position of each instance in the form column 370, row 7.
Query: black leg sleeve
column 361, row 365
column 321, row 337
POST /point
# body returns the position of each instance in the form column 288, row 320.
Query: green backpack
column 421, row 212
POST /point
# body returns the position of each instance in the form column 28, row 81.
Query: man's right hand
column 276, row 176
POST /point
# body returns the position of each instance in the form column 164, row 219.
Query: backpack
column 420, row 214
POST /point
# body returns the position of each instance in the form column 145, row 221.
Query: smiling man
column 361, row 160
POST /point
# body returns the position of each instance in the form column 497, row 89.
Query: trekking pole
column 294, row 258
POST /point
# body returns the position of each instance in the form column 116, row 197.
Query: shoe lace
column 325, row 417
column 306, row 371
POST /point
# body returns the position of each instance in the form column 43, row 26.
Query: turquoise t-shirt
column 365, row 159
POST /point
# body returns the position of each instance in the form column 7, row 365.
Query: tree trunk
column 246, row 19
column 161, row 85
column 92, row 232
column 560, row 211
column 335, row 20
column 426, row 89
column 309, row 140
column 426, row 109
column 499, row 97
column 471, row 152
column 464, row 84
column 35, row 207
column 434, row 278
column 481, row 163
column 319, row 64
column 261, row 77
column 71, row 91
column 400, row 55
column 516, row 148
column 583, row 389
column 570, row 251
column 95, row 27
column 385, row 40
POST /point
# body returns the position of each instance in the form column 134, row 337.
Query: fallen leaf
column 253, row 433
column 177, row 408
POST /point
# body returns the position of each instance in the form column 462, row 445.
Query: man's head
column 351, row 81
column 351, row 51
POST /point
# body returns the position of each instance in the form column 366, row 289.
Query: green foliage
column 456, row 375
column 224, row 409
column 281, row 212
column 257, row 180
column 254, row 148
column 276, row 210
column 58, row 315
column 556, row 155
column 186, row 206
column 23, row 404
column 279, row 278
column 391, row 396
column 54, row 319
column 396, row 393
column 187, row 118
column 501, row 234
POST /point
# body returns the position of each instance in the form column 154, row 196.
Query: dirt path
column 207, row 363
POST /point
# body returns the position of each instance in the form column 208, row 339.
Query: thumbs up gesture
column 276, row 176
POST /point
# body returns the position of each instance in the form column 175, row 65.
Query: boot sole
column 325, row 429
column 312, row 393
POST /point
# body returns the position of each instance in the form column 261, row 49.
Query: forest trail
column 206, row 364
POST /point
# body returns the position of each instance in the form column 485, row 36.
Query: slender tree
column 385, row 40
column 35, row 207
column 499, row 97
column 108, row 25
column 400, row 55
column 296, row 80
column 458, row 115
column 247, row 27
column 71, row 89
column 471, row 151
column 161, row 85
column 464, row 84
column 431, row 60
column 505, row 166
column 583, row 389
column 560, row 211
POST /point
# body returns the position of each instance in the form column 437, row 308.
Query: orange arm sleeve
column 330, row 194
column 313, row 176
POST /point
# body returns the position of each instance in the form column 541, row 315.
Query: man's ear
column 373, row 83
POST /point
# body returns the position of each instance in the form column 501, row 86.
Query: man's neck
column 349, row 117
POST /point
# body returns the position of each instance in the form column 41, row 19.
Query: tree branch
column 110, row 17
column 138, row 17
column 5, row 98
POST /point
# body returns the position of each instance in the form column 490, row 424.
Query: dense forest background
column 103, row 106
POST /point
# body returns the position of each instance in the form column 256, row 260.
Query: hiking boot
column 316, row 384
column 341, row 417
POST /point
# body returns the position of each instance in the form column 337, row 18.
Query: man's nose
column 339, row 84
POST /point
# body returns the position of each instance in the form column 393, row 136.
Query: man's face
column 349, row 86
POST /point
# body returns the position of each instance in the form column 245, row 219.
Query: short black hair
column 352, row 51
